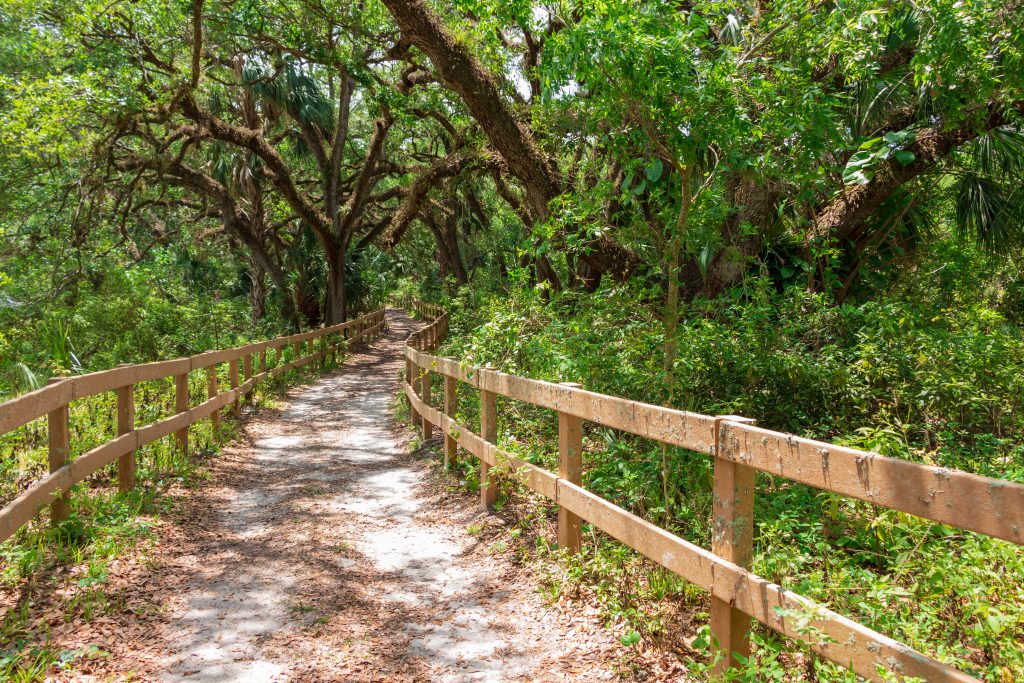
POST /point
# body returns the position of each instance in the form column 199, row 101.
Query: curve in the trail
column 324, row 557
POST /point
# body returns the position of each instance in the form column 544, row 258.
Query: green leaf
column 858, row 168
column 704, row 258
column 654, row 170
column 631, row 638
column 905, row 157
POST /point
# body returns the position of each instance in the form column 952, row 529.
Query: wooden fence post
column 180, row 406
column 60, row 451
column 411, row 379
column 451, row 403
column 263, row 359
column 233, row 378
column 417, row 373
column 489, row 432
column 570, row 468
column 247, row 367
column 211, row 392
column 126, row 425
column 732, row 538
column 427, row 427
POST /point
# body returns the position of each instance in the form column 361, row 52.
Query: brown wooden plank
column 211, row 358
column 181, row 406
column 59, row 451
column 125, row 425
column 675, row 427
column 489, row 433
column 852, row 645
column 22, row 509
column 175, row 424
column 109, row 380
column 233, row 381
column 54, row 399
column 989, row 506
column 570, row 468
column 856, row 646
column 411, row 372
column 534, row 477
column 211, row 392
column 209, row 407
column 464, row 373
column 248, row 385
column 33, row 405
column 732, row 539
column 450, row 409
column 426, row 426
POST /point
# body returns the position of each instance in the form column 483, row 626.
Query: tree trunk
column 675, row 244
column 257, row 290
column 448, row 259
column 461, row 71
column 451, row 240
column 336, row 302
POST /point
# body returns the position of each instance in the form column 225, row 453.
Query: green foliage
column 170, row 305
column 909, row 375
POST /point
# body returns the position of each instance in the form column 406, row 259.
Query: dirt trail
column 319, row 550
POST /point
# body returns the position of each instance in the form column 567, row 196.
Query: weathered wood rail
column 980, row 504
column 52, row 402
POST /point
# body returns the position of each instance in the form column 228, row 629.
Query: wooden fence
column 52, row 402
column 987, row 506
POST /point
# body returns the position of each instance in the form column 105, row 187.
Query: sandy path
column 320, row 551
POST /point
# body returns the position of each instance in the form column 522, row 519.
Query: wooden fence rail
column 980, row 504
column 52, row 401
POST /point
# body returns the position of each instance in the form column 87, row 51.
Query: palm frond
column 988, row 211
column 999, row 152
column 293, row 88
column 26, row 379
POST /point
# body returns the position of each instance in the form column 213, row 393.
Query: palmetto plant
column 289, row 85
column 55, row 338
column 989, row 201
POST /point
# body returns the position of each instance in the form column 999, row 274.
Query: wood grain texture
column 732, row 539
column 450, row 408
column 125, row 425
column 570, row 468
column 58, row 435
column 994, row 507
column 489, row 432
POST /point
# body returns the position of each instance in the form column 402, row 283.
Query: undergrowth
column 911, row 376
